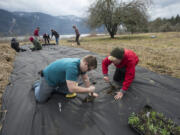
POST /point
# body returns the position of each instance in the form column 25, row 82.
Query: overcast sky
column 160, row 8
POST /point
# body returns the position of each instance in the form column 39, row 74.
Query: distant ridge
column 24, row 23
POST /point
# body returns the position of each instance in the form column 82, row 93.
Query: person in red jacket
column 36, row 33
column 125, row 61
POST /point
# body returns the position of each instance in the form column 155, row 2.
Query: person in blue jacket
column 62, row 76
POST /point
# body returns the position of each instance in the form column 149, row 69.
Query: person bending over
column 62, row 75
column 125, row 61
column 54, row 33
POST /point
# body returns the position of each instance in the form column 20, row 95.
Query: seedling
column 148, row 121
column 90, row 98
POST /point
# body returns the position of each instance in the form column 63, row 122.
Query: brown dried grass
column 7, row 55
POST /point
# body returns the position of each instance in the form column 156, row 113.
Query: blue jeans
column 43, row 90
column 57, row 40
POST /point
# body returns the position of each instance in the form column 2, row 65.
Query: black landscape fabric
column 61, row 116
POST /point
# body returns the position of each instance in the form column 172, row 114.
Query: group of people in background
column 35, row 39
column 47, row 38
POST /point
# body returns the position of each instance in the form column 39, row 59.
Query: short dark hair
column 117, row 53
column 91, row 60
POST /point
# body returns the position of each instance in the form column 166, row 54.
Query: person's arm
column 105, row 63
column 71, row 79
column 74, row 88
column 86, row 80
column 87, row 84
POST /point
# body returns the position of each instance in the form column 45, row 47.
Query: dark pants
column 43, row 90
column 34, row 49
column 46, row 40
column 119, row 74
column 15, row 46
column 77, row 39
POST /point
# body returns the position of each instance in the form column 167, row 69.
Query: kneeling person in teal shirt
column 62, row 75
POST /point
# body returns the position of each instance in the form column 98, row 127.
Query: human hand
column 91, row 88
column 106, row 78
column 93, row 94
column 118, row 95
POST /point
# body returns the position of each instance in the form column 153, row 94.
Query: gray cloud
column 165, row 3
column 53, row 7
column 165, row 9
column 161, row 8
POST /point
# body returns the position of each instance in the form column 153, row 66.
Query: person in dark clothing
column 46, row 38
column 54, row 33
column 15, row 45
column 77, row 34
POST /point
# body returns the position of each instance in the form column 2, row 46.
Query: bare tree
column 111, row 14
column 135, row 16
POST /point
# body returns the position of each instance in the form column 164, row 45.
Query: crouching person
column 46, row 38
column 15, row 45
column 36, row 44
column 61, row 76
column 125, row 61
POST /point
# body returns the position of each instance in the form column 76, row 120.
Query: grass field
column 160, row 54
column 7, row 56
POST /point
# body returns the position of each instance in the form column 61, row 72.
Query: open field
column 160, row 54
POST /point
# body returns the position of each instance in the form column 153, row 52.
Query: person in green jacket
column 37, row 45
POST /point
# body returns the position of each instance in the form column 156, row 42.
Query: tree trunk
column 111, row 30
column 112, row 35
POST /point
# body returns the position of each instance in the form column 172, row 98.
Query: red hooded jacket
column 129, row 61
column 36, row 32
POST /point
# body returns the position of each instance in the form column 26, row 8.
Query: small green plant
column 151, row 122
column 133, row 119
column 153, row 115
column 164, row 132
column 142, row 128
